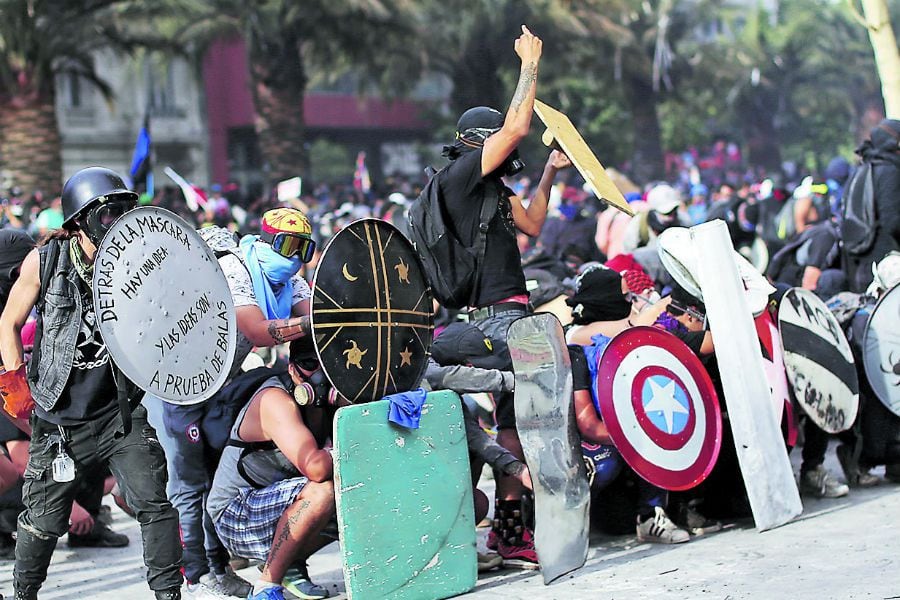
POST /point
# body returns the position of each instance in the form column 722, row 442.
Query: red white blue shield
column 660, row 407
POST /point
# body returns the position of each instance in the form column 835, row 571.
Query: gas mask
column 98, row 219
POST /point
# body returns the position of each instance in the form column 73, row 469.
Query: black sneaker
column 172, row 594
column 101, row 536
column 104, row 515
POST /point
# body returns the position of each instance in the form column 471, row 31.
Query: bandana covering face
column 271, row 275
column 598, row 297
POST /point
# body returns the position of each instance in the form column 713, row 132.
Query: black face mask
column 599, row 297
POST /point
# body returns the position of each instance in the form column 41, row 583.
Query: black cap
column 465, row 343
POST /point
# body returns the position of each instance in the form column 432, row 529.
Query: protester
column 87, row 414
column 661, row 212
column 271, row 301
column 484, row 151
column 273, row 495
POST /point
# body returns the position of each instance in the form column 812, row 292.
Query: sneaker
column 855, row 474
column 33, row 595
column 104, row 515
column 818, row 483
column 101, row 536
column 519, row 557
column 207, row 588
column 270, row 593
column 238, row 562
column 493, row 540
column 173, row 594
column 488, row 561
column 660, row 529
column 296, row 581
column 233, row 584
column 693, row 520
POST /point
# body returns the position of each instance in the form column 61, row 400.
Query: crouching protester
column 87, row 414
column 272, row 496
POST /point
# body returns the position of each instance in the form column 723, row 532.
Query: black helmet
column 88, row 186
column 478, row 123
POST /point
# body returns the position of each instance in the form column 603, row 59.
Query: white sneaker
column 660, row 529
column 207, row 588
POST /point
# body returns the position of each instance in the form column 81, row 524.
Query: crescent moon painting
column 347, row 274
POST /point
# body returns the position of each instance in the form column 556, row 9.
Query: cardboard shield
column 164, row 307
column 679, row 256
column 562, row 134
column 545, row 419
column 371, row 312
column 819, row 361
column 881, row 350
column 660, row 407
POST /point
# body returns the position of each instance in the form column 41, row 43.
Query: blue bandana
column 271, row 275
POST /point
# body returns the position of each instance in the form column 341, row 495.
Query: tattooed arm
column 266, row 333
column 518, row 118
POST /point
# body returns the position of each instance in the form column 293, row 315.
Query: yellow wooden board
column 562, row 133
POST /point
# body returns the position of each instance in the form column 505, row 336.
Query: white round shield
column 881, row 350
column 164, row 307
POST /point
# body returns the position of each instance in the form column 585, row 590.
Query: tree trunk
column 30, row 143
column 278, row 78
column 647, row 157
column 887, row 58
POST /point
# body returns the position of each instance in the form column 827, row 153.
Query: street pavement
column 842, row 549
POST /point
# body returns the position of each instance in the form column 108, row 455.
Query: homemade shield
column 404, row 502
column 545, row 420
column 758, row 442
column 881, row 350
column 164, row 307
column 660, row 407
column 562, row 133
column 371, row 312
column 680, row 257
column 773, row 362
column 819, row 361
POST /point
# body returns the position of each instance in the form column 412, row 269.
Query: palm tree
column 40, row 39
column 288, row 42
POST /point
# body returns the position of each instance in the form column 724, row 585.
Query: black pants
column 139, row 465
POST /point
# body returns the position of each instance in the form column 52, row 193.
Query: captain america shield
column 660, row 407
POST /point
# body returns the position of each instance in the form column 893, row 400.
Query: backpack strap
column 489, row 204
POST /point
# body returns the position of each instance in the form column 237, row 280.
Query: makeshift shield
column 881, row 350
column 163, row 306
column 660, row 407
column 819, row 361
column 545, row 420
column 773, row 362
column 678, row 253
column 371, row 312
column 562, row 134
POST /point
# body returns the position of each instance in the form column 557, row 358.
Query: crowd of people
column 257, row 485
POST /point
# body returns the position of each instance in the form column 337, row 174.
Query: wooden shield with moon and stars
column 371, row 312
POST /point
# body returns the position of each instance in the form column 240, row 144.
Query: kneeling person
column 273, row 493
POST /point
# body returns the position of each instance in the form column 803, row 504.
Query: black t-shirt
column 90, row 391
column 819, row 249
column 462, row 190
column 581, row 375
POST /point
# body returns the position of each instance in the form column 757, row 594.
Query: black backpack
column 223, row 407
column 858, row 222
column 453, row 269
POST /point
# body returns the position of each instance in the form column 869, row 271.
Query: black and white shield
column 819, row 362
column 881, row 354
column 371, row 312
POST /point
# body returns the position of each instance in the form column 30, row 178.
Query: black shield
column 371, row 312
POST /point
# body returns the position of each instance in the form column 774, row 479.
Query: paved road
column 846, row 548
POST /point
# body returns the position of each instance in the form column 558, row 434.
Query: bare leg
column 297, row 532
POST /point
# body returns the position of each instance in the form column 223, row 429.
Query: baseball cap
column 464, row 343
column 663, row 199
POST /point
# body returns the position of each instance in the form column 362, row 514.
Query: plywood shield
column 371, row 312
column 164, row 307
column 819, row 361
column 561, row 132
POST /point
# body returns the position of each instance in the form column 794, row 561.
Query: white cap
column 397, row 198
column 886, row 273
column 663, row 199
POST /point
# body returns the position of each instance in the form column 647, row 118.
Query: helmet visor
column 290, row 245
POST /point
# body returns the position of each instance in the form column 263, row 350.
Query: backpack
column 223, row 407
column 858, row 221
column 453, row 269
